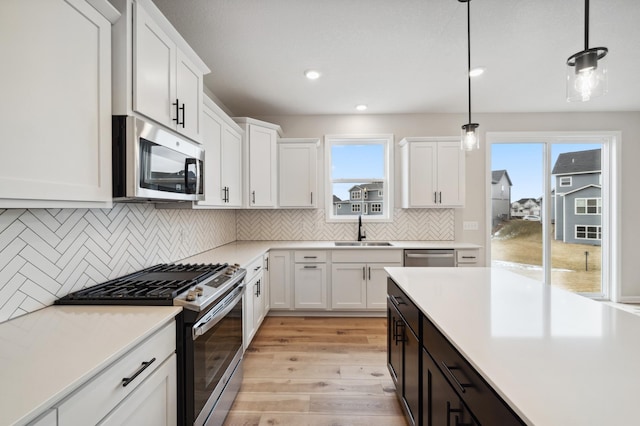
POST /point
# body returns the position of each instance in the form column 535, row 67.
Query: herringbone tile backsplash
column 48, row 253
column 408, row 224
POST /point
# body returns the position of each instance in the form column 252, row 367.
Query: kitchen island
column 555, row 358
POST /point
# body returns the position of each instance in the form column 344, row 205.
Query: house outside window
column 588, row 206
column 586, row 232
column 566, row 181
column 359, row 176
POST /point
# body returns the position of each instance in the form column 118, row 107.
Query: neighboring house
column 364, row 199
column 500, row 196
column 525, row 207
column 578, row 197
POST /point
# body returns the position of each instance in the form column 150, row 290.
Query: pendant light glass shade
column 586, row 70
column 586, row 75
column 470, row 137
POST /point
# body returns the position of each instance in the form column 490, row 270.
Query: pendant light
column 470, row 138
column 586, row 77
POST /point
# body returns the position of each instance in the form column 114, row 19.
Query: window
column 588, row 205
column 359, row 168
column 586, row 232
column 566, row 181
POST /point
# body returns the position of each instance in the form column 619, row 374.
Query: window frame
column 586, row 206
column 561, row 185
column 388, row 143
column 597, row 230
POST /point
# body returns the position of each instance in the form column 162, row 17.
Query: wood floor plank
column 317, row 371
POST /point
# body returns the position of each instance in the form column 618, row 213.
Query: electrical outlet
column 470, row 226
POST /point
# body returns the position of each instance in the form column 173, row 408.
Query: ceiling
column 406, row 56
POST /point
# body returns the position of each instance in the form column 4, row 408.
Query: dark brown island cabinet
column 434, row 382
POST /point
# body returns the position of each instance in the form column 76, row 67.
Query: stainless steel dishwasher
column 430, row 257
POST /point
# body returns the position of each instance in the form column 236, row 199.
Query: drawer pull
column 310, row 257
column 468, row 257
column 127, row 380
column 462, row 386
column 310, row 266
column 397, row 300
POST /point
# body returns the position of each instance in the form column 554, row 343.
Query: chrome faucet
column 361, row 234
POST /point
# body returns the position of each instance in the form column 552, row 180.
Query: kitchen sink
column 362, row 244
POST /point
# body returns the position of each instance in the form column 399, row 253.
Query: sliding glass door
column 553, row 230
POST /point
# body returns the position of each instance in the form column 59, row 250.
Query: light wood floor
column 317, row 371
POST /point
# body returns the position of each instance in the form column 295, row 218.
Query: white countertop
column 244, row 252
column 46, row 354
column 555, row 357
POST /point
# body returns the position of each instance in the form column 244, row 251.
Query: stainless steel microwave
column 151, row 163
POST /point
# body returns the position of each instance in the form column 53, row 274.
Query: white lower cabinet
column 153, row 403
column 137, row 389
column 280, row 279
column 358, row 279
column 310, row 286
column 254, row 300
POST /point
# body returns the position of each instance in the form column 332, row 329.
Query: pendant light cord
column 586, row 24
column 469, row 54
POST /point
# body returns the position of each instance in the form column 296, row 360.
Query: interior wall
column 402, row 125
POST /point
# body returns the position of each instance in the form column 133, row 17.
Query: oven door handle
column 208, row 323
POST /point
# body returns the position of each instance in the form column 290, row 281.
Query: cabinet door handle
column 364, row 273
column 183, row 109
column 398, row 335
column 177, row 119
column 312, row 198
column 253, row 197
column 435, row 197
column 369, row 273
column 258, row 288
column 266, row 267
column 462, row 386
column 127, row 380
column 440, row 194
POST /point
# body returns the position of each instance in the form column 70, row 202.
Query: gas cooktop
column 191, row 286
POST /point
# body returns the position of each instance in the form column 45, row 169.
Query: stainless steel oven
column 151, row 163
column 214, row 360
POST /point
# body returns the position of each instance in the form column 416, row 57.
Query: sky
column 523, row 162
column 355, row 161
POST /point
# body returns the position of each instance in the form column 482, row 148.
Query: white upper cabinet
column 260, row 162
column 55, row 148
column 223, row 159
column 156, row 73
column 432, row 172
column 298, row 173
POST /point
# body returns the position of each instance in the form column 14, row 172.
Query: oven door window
column 213, row 354
column 163, row 169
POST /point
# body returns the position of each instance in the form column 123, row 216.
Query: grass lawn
column 520, row 242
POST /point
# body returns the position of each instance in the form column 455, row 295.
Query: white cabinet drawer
column 93, row 401
column 367, row 256
column 467, row 256
column 254, row 268
column 310, row 256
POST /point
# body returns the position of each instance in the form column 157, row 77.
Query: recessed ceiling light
column 361, row 107
column 474, row 72
column 312, row 74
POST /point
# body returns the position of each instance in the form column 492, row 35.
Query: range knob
column 191, row 296
column 199, row 290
